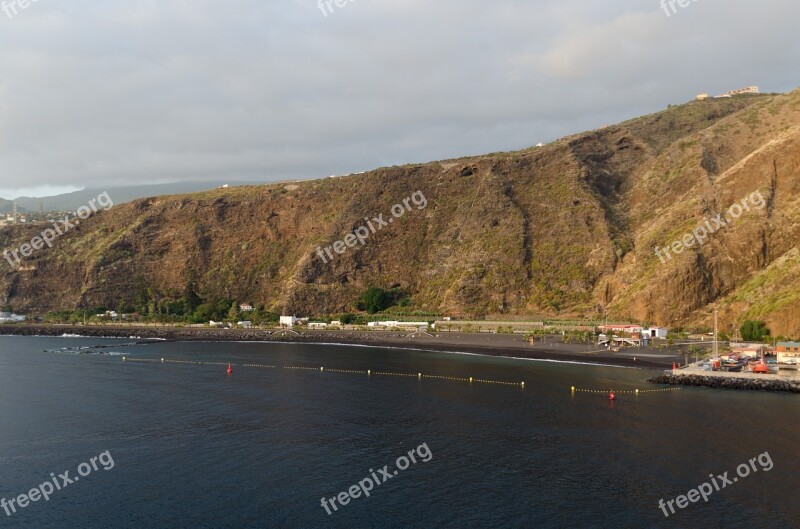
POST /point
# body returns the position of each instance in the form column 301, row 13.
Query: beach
column 505, row 345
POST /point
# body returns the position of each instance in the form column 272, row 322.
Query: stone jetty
column 743, row 381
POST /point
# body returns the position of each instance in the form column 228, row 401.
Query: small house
column 788, row 351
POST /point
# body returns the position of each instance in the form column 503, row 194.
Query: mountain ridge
column 567, row 229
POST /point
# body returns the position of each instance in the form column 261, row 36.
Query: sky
column 103, row 94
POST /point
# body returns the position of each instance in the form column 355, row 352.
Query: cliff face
column 566, row 229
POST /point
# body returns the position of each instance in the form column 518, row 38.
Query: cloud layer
column 111, row 93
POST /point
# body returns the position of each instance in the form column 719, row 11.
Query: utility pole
column 716, row 344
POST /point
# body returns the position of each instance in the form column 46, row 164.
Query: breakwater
column 740, row 383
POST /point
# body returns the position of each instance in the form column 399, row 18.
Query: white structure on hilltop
column 740, row 91
column 747, row 90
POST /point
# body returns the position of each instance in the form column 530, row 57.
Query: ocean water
column 194, row 447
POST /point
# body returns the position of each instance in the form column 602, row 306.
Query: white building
column 630, row 329
column 245, row 324
column 399, row 324
column 291, row 321
column 655, row 332
column 747, row 90
column 9, row 317
column 288, row 321
column 316, row 325
column 246, row 307
column 633, row 330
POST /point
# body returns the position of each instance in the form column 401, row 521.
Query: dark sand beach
column 508, row 345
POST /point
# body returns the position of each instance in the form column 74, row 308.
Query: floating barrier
column 368, row 372
column 574, row 390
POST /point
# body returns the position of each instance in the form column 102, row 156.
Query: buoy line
column 368, row 372
column 574, row 390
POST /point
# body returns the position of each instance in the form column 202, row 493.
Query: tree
column 375, row 300
column 204, row 313
column 191, row 298
column 754, row 331
column 233, row 314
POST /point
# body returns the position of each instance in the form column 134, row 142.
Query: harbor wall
column 729, row 382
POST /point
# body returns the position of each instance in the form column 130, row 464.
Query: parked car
column 772, row 361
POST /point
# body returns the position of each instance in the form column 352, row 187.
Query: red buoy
column 611, row 395
column 230, row 368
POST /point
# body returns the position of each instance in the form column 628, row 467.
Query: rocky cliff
column 566, row 229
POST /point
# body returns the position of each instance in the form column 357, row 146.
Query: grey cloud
column 142, row 91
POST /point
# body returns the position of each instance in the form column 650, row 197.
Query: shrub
column 754, row 331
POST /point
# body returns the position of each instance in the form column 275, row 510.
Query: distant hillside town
column 20, row 216
column 732, row 93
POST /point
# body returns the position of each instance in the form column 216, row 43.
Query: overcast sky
column 112, row 93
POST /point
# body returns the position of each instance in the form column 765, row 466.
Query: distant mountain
column 568, row 229
column 119, row 195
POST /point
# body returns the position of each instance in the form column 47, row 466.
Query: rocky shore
column 752, row 384
column 187, row 333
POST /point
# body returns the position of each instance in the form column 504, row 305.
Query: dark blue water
column 195, row 448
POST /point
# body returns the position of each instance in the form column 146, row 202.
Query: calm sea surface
column 195, row 448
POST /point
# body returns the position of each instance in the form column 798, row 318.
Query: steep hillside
column 566, row 229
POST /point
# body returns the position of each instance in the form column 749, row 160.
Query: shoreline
column 496, row 345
